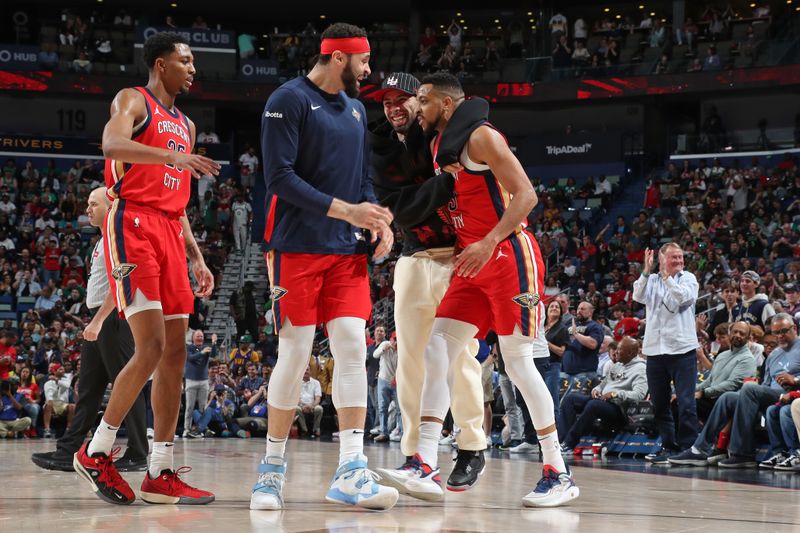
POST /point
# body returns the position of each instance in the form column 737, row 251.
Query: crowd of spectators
column 46, row 244
column 630, row 39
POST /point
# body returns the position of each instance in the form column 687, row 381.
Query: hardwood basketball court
column 616, row 496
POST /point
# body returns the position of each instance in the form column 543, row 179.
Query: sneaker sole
column 277, row 505
column 464, row 488
column 379, row 502
column 737, row 465
column 52, row 465
column 156, row 498
column 567, row 496
column 714, row 461
column 687, row 462
column 534, row 450
column 85, row 475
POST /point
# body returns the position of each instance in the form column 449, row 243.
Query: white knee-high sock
column 428, row 447
column 294, row 345
column 349, row 387
column 551, row 450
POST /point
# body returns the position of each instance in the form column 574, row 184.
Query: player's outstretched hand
column 473, row 258
column 387, row 241
column 204, row 278
column 199, row 165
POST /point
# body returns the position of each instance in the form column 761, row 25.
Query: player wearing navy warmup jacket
column 319, row 201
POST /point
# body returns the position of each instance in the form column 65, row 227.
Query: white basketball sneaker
column 554, row 489
column 268, row 490
column 354, row 484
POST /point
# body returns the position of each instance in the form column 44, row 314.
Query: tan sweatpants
column 420, row 282
column 10, row 427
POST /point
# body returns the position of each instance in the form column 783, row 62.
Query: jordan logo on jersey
column 123, row 270
column 500, row 254
column 527, row 299
column 277, row 293
column 158, row 112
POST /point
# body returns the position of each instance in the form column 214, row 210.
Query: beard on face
column 350, row 81
column 737, row 342
column 431, row 126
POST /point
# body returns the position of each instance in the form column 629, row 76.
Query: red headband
column 349, row 45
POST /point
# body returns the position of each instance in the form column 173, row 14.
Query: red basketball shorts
column 505, row 294
column 313, row 289
column 145, row 251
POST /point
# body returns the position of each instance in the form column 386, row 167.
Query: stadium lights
column 753, row 5
column 99, row 1
column 497, row 21
column 641, row 7
column 606, row 9
column 261, row 48
column 173, row 4
column 530, row 13
column 458, row 14
column 652, row 13
column 619, row 16
column 322, row 17
column 462, row 21
column 531, row 20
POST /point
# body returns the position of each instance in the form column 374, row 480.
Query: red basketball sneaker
column 99, row 470
column 169, row 488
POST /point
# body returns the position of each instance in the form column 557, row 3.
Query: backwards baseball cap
column 245, row 339
column 790, row 287
column 22, row 358
column 397, row 81
column 219, row 387
column 752, row 276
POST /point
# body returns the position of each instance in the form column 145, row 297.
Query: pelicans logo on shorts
column 527, row 299
column 277, row 293
column 123, row 270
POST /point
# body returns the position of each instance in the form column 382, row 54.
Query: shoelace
column 547, row 482
column 175, row 482
column 108, row 473
column 272, row 479
column 462, row 461
column 362, row 476
column 410, row 464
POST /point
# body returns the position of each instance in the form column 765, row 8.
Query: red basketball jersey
column 479, row 200
column 163, row 186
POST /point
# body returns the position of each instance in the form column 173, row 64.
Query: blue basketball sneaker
column 354, row 484
column 554, row 489
column 268, row 490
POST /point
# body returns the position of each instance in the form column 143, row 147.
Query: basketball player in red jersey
column 149, row 166
column 499, row 274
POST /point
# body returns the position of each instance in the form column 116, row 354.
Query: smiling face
column 355, row 68
column 400, row 109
